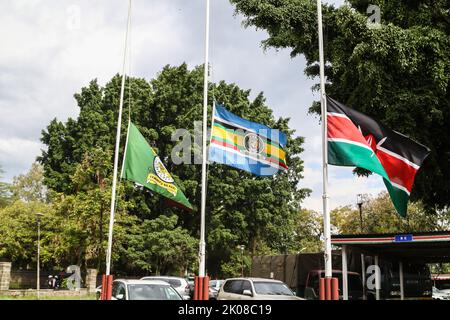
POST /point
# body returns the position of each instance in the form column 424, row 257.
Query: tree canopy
column 398, row 73
column 4, row 191
column 379, row 216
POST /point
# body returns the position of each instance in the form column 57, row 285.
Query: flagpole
column 116, row 154
column 323, row 103
column 201, row 269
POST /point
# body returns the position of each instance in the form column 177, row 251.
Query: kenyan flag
column 356, row 140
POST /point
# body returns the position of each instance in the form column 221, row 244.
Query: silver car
column 255, row 289
column 178, row 283
column 143, row 290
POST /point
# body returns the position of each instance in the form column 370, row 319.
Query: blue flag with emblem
column 246, row 145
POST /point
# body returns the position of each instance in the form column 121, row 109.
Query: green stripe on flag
column 399, row 198
column 348, row 154
column 342, row 153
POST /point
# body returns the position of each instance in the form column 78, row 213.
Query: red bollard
column 322, row 289
column 206, row 288
column 327, row 288
column 334, row 289
column 196, row 288
column 200, row 288
column 109, row 281
column 103, row 292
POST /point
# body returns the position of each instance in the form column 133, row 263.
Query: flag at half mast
column 355, row 139
column 143, row 166
column 246, row 145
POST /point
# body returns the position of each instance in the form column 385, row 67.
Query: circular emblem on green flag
column 161, row 171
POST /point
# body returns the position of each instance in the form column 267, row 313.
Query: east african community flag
column 143, row 166
column 246, row 145
column 355, row 139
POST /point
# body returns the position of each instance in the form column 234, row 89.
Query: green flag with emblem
column 143, row 166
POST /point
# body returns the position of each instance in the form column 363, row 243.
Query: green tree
column 379, row 216
column 18, row 229
column 398, row 73
column 159, row 246
column 30, row 186
column 4, row 191
column 240, row 207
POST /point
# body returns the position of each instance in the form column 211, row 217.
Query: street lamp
column 359, row 202
column 242, row 247
column 39, row 216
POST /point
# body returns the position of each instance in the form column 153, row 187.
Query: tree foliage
column 4, row 191
column 30, row 186
column 379, row 216
column 159, row 246
column 398, row 73
column 241, row 208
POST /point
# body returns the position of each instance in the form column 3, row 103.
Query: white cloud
column 17, row 153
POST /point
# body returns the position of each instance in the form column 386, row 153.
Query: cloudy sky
column 51, row 48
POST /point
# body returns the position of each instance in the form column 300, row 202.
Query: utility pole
column 242, row 247
column 359, row 201
column 38, row 275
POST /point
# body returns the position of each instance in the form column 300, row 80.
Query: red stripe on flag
column 399, row 172
column 344, row 128
column 225, row 144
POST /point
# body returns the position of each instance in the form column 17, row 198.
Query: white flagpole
column 116, row 154
column 201, row 269
column 323, row 103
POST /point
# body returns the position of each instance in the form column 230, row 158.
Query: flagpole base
column 106, row 293
column 201, row 288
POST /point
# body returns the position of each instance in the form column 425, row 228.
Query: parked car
column 355, row 287
column 440, row 294
column 214, row 287
column 442, row 282
column 143, row 290
column 255, row 289
column 179, row 284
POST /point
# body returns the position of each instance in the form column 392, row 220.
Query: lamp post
column 39, row 215
column 242, row 247
column 359, row 202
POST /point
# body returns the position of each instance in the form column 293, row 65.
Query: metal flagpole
column 116, row 154
column 201, row 270
column 323, row 102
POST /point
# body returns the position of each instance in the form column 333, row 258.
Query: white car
column 179, row 284
column 143, row 290
column 255, row 289
column 440, row 294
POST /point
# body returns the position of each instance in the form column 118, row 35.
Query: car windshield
column 172, row 281
column 443, row 284
column 272, row 288
column 215, row 283
column 152, row 292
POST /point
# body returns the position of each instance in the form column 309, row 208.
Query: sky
column 52, row 48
